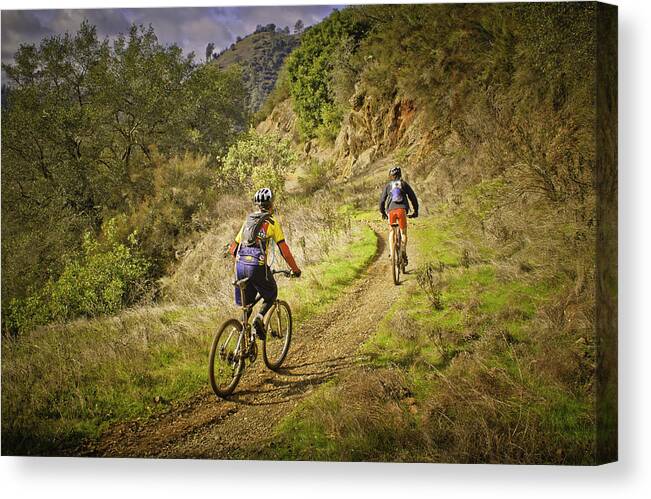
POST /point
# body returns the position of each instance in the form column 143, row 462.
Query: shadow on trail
column 289, row 370
column 292, row 382
column 381, row 243
column 407, row 276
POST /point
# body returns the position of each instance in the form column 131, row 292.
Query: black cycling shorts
column 261, row 280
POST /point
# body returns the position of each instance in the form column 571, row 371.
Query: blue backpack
column 397, row 192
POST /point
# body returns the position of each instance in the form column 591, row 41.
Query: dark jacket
column 387, row 204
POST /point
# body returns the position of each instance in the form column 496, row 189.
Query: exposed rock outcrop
column 373, row 128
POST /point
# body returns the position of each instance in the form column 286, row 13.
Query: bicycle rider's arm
column 383, row 200
column 276, row 233
column 232, row 249
column 287, row 255
column 411, row 195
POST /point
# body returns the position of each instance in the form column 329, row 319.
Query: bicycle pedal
column 253, row 353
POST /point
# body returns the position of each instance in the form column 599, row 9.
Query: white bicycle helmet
column 263, row 197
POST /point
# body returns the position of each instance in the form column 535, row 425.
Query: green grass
column 67, row 383
column 323, row 283
column 307, row 434
column 480, row 361
column 435, row 238
column 348, row 419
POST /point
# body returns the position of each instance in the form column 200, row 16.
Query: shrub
column 429, row 279
column 311, row 67
column 102, row 281
column 105, row 277
column 257, row 161
column 316, row 176
column 180, row 204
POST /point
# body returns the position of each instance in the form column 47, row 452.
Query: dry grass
column 312, row 227
column 63, row 383
column 66, row 382
column 364, row 416
column 495, row 405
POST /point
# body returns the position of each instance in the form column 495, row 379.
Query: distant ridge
column 261, row 56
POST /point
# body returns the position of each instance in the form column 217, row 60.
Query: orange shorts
column 398, row 215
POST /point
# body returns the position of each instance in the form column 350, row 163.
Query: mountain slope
column 261, row 55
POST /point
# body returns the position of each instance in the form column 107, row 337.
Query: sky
column 191, row 28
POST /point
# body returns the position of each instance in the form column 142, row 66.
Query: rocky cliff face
column 282, row 121
column 372, row 129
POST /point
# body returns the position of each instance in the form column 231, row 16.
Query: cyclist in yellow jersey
column 251, row 249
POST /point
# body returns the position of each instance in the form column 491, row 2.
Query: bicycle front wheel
column 278, row 337
column 226, row 362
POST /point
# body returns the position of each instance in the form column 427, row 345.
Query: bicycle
column 397, row 258
column 235, row 342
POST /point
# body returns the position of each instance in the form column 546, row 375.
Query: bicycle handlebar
column 286, row 273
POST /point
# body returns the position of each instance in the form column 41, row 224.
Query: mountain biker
column 395, row 199
column 251, row 249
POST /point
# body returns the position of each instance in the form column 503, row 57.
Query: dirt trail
column 322, row 347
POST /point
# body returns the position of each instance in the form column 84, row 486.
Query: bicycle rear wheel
column 226, row 362
column 395, row 258
column 279, row 335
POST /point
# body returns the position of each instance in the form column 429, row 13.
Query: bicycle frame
column 396, row 237
column 242, row 346
column 247, row 308
column 247, row 312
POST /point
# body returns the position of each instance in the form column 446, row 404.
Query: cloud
column 109, row 22
column 191, row 28
column 20, row 28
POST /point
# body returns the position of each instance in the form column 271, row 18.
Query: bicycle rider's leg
column 404, row 239
column 402, row 222
column 242, row 271
column 393, row 218
column 265, row 284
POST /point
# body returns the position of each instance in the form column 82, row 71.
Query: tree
column 310, row 69
column 219, row 112
column 87, row 124
column 298, row 27
column 6, row 93
column 209, row 49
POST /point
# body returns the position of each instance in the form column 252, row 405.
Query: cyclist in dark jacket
column 394, row 204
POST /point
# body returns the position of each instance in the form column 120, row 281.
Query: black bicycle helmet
column 395, row 172
column 263, row 197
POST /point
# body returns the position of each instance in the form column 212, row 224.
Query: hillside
column 488, row 349
column 261, row 56
column 498, row 141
